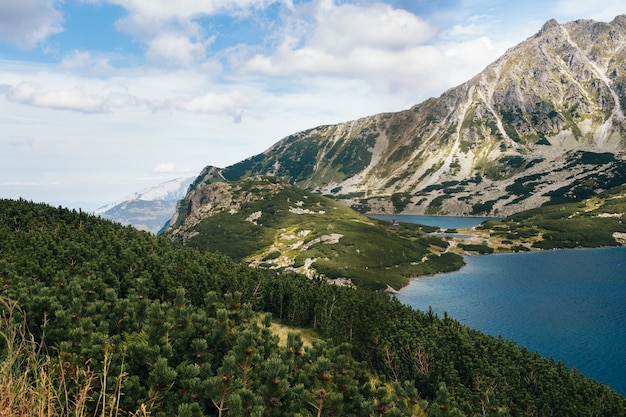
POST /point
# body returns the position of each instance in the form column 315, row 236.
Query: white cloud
column 176, row 50
column 157, row 92
column 341, row 29
column 390, row 49
column 170, row 29
column 164, row 167
column 230, row 103
column 36, row 95
column 78, row 60
column 28, row 22
column 472, row 27
column 146, row 27
column 170, row 42
column 348, row 40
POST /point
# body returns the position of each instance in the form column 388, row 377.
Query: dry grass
column 33, row 384
column 282, row 331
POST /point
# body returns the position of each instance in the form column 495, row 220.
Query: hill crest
column 273, row 225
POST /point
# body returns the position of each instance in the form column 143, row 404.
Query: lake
column 566, row 304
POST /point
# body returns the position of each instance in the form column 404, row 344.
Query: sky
column 103, row 98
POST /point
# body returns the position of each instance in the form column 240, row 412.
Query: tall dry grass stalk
column 34, row 385
column 22, row 375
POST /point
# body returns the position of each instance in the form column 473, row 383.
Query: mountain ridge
column 544, row 123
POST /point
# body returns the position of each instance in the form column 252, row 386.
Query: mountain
column 149, row 209
column 542, row 124
column 271, row 224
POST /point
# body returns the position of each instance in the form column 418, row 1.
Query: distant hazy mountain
column 542, row 124
column 149, row 209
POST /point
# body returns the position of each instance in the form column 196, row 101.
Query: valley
column 268, row 287
column 270, row 224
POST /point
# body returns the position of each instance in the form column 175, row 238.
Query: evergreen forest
column 97, row 318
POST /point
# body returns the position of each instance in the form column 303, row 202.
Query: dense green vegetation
column 355, row 155
column 272, row 224
column 172, row 330
column 294, row 158
column 609, row 172
column 594, row 222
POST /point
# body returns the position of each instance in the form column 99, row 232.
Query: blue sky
column 102, row 98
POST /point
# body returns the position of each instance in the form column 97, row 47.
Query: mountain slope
column 149, row 209
column 544, row 123
column 594, row 222
column 271, row 224
column 157, row 328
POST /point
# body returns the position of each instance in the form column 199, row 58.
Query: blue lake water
column 569, row 305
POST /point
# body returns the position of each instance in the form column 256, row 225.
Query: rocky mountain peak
column 550, row 24
column 543, row 123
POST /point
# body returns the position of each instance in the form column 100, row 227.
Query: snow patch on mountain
column 172, row 190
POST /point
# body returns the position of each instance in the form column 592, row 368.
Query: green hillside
column 101, row 319
column 594, row 222
column 271, row 224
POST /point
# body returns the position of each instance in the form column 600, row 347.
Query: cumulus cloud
column 109, row 97
column 170, row 29
column 386, row 49
column 472, row 27
column 230, row 103
column 28, row 22
column 74, row 99
column 341, row 29
column 387, row 46
column 346, row 38
column 170, row 43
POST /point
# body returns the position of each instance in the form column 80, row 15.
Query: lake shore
column 565, row 304
column 471, row 241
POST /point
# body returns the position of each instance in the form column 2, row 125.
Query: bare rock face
column 543, row 123
column 209, row 195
